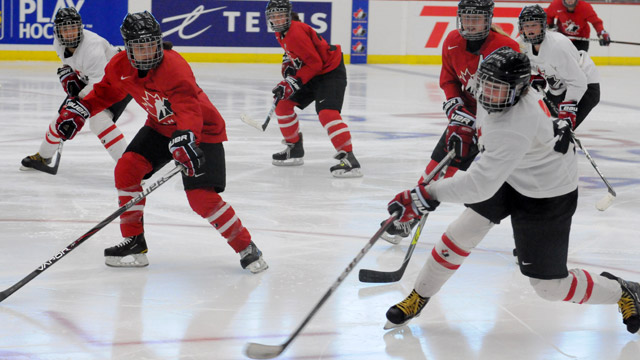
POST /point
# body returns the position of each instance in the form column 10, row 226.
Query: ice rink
column 194, row 301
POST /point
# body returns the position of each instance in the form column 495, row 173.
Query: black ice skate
column 291, row 156
column 348, row 166
column 629, row 303
column 37, row 162
column 251, row 258
column 401, row 313
column 399, row 230
column 131, row 252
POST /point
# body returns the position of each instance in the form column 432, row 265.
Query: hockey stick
column 250, row 121
column 47, row 264
column 606, row 201
column 41, row 166
column 374, row 276
column 611, row 41
column 261, row 351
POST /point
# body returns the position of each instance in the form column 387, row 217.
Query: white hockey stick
column 606, row 201
column 251, row 122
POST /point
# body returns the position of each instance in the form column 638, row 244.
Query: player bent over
column 182, row 125
column 313, row 70
column 463, row 49
column 84, row 55
column 528, row 170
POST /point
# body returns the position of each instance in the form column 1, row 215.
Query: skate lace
column 412, row 305
column 627, row 306
column 125, row 242
column 287, row 150
column 37, row 157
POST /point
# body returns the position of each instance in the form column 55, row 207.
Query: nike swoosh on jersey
column 451, row 47
column 124, row 77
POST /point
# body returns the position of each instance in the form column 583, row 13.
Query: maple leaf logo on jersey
column 570, row 27
column 159, row 107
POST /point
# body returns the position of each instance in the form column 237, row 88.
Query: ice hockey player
column 528, row 170
column 572, row 18
column 84, row 55
column 463, row 49
column 182, row 125
column 574, row 82
column 313, row 70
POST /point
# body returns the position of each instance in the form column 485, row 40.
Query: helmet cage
column 148, row 50
column 474, row 15
column 275, row 13
column 532, row 13
column 496, row 95
column 63, row 27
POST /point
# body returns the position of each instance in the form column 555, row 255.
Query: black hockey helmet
column 474, row 18
column 67, row 22
column 529, row 14
column 278, row 10
column 142, row 39
column 501, row 79
column 571, row 6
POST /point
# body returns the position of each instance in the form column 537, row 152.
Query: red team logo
column 359, row 31
column 360, row 14
column 358, row 47
column 440, row 28
column 158, row 107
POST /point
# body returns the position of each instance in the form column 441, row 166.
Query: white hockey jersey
column 563, row 65
column 89, row 59
column 517, row 147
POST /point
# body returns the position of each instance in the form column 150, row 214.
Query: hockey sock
column 451, row 250
column 50, row 143
column 109, row 134
column 288, row 120
column 128, row 174
column 208, row 204
column 580, row 287
column 337, row 129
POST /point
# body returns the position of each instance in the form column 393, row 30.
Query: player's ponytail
column 498, row 29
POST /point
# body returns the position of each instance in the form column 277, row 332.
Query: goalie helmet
column 143, row 40
column 278, row 15
column 474, row 18
column 532, row 14
column 501, row 79
column 67, row 27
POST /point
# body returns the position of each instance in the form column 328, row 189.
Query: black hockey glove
column 562, row 132
column 185, row 151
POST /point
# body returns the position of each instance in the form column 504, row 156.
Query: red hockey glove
column 70, row 81
column 288, row 67
column 412, row 204
column 460, row 138
column 287, row 87
column 185, row 151
column 72, row 118
column 538, row 82
column 567, row 110
column 604, row 37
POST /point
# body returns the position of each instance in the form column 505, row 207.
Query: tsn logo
column 439, row 30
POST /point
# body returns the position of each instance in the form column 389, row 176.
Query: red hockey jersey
column 168, row 93
column 574, row 23
column 305, row 47
column 459, row 65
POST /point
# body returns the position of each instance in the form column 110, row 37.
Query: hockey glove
column 604, row 37
column 72, row 118
column 460, row 138
column 287, row 87
column 562, row 132
column 538, row 82
column 567, row 110
column 288, row 67
column 185, row 151
column 412, row 204
column 70, row 81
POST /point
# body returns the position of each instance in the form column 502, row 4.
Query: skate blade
column 353, row 173
column 258, row 266
column 393, row 239
column 389, row 325
column 137, row 260
column 288, row 162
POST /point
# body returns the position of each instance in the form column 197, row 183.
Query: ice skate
column 37, row 162
column 131, row 252
column 291, row 156
column 401, row 313
column 629, row 303
column 348, row 167
column 251, row 258
column 399, row 230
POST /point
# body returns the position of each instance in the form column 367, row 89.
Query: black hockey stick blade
column 270, row 114
column 47, row 264
column 261, row 351
column 46, row 168
column 374, row 276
